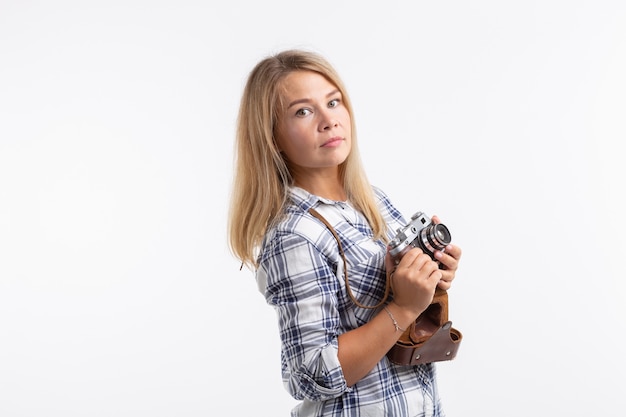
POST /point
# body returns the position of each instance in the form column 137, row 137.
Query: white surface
column 117, row 293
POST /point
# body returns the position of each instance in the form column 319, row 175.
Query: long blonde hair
column 262, row 178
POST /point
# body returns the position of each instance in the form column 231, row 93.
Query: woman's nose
column 327, row 121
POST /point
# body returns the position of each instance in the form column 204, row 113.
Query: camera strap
column 321, row 218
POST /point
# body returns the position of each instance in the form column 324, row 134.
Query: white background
column 118, row 296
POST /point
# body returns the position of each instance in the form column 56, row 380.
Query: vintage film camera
column 431, row 337
column 422, row 233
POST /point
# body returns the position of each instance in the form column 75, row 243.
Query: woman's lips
column 333, row 142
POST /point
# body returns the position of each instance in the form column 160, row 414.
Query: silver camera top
column 420, row 232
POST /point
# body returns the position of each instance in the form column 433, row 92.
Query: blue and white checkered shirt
column 301, row 275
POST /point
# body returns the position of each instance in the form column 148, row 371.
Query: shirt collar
column 305, row 200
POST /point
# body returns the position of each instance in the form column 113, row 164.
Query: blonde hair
column 262, row 178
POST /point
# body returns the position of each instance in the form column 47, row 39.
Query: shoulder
column 296, row 228
column 297, row 219
column 299, row 245
column 300, row 222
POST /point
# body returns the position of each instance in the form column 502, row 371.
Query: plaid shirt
column 301, row 275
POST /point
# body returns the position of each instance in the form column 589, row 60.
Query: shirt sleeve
column 300, row 282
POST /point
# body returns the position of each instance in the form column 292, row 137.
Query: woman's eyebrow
column 307, row 100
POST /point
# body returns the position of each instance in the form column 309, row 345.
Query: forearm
column 362, row 348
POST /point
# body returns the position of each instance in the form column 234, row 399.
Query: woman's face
column 314, row 130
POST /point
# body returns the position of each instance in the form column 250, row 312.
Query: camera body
column 422, row 233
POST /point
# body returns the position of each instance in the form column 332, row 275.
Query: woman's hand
column 413, row 281
column 449, row 261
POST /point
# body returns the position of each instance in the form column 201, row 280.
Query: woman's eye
column 303, row 112
column 333, row 103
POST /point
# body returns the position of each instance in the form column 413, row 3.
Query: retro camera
column 422, row 233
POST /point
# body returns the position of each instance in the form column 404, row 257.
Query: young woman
column 296, row 151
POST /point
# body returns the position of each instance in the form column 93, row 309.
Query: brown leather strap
column 345, row 265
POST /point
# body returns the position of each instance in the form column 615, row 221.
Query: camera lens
column 434, row 237
column 442, row 234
